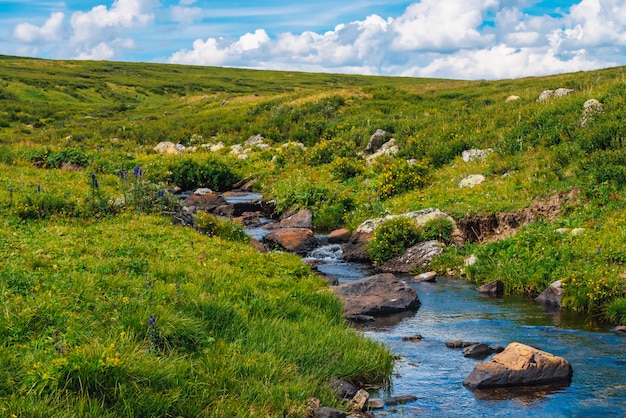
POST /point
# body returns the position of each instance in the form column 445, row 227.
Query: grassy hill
column 111, row 310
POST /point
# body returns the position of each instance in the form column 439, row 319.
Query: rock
column 376, row 140
column 326, row 412
column 167, row 147
column 254, row 140
column 301, row 219
column 294, row 240
column 355, row 249
column 430, row 276
column 459, row 344
column 475, row 154
column 375, row 403
column 376, row 295
column 512, row 98
column 494, row 288
column 343, row 389
column 560, row 92
column 620, row 328
column 478, row 351
column 415, row 257
column 202, row 191
column 258, row 245
column 577, row 231
column 420, row 218
column 470, row 261
column 553, row 295
column 413, row 338
column 592, row 106
column 339, row 236
column 519, row 365
column 400, row 400
column 388, row 148
column 359, row 401
column 207, row 202
column 471, row 180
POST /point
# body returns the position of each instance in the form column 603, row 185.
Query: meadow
column 110, row 308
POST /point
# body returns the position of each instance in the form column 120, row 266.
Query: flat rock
column 415, row 257
column 519, row 365
column 471, row 181
column 429, row 276
column 207, row 202
column 376, row 295
column 400, row 400
column 459, row 344
column 375, row 403
column 339, row 236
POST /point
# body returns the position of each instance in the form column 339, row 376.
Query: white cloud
column 220, row 51
column 51, row 30
column 101, row 51
column 185, row 15
column 436, row 25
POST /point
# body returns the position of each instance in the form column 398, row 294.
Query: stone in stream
column 459, row 344
column 430, row 276
column 552, row 295
column 478, row 351
column 343, row 389
column 400, row 400
column 207, row 202
column 494, row 288
column 339, row 236
column 519, row 365
column 380, row 294
column 415, row 257
column 294, row 240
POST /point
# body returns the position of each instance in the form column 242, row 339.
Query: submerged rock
column 376, row 295
column 519, row 365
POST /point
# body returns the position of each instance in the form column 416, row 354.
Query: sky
column 459, row 39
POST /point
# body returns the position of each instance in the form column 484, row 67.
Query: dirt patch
column 488, row 228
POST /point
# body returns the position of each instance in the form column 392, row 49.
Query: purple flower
column 123, row 174
column 161, row 193
column 94, row 181
column 39, row 188
column 137, row 172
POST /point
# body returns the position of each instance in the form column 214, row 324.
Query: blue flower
column 161, row 193
column 137, row 172
column 94, row 181
column 39, row 188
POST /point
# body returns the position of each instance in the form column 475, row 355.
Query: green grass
column 237, row 333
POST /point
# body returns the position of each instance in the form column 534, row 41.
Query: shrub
column 606, row 166
column 345, row 168
column 393, row 237
column 438, row 229
column 44, row 205
column 67, row 156
column 399, row 177
column 222, row 228
column 189, row 174
column 616, row 311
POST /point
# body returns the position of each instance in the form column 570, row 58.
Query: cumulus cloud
column 51, row 30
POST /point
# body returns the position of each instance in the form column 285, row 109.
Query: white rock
column 472, row 180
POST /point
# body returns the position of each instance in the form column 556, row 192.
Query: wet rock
column 202, row 191
column 471, row 181
column 301, row 219
column 414, row 338
column 294, row 240
column 375, row 403
column 355, row 249
column 553, row 295
column 339, row 236
column 400, row 400
column 326, row 412
column 258, row 245
column 478, row 351
column 459, row 344
column 621, row 328
column 376, row 295
column 415, row 257
column 430, row 276
column 519, row 365
column 343, row 389
column 494, row 288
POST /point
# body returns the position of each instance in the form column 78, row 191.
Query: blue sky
column 466, row 39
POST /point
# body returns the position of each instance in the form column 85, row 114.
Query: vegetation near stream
column 111, row 309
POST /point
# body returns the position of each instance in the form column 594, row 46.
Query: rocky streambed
column 417, row 318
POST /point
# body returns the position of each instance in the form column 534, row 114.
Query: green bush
column 225, row 229
column 67, row 156
column 189, row 174
column 399, row 177
column 439, row 229
column 346, row 168
column 44, row 205
column 605, row 166
column 392, row 238
column 616, row 311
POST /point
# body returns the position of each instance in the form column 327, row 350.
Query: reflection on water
column 453, row 309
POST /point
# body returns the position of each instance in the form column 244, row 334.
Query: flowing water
column 453, row 309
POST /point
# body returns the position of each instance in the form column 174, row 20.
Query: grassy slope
column 243, row 313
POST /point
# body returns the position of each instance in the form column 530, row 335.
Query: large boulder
column 494, row 288
column 301, row 219
column 471, row 181
column 295, row 240
column 388, row 148
column 560, row 92
column 355, row 250
column 519, row 365
column 553, row 295
column 475, row 154
column 339, row 236
column 376, row 295
column 414, row 258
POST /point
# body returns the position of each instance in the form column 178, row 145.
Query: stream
column 453, row 309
